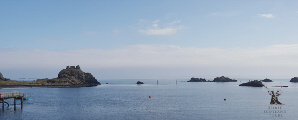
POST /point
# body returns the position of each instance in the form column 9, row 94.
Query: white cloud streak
column 165, row 29
column 271, row 16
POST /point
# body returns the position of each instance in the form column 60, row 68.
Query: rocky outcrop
column 254, row 83
column 223, row 79
column 2, row 78
column 72, row 75
column 295, row 79
column 139, row 82
column 266, row 80
column 197, row 80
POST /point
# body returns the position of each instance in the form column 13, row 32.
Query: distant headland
column 72, row 76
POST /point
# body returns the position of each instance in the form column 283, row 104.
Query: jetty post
column 14, row 103
column 22, row 102
column 3, row 103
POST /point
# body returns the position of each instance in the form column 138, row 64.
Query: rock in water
column 197, row 80
column 266, row 80
column 295, row 79
column 139, row 82
column 223, row 79
column 254, row 83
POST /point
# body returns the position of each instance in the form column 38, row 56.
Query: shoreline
column 46, row 86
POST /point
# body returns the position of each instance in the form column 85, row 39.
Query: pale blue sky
column 110, row 35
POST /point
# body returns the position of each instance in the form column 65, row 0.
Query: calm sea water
column 124, row 100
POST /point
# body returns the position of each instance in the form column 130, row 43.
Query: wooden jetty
column 11, row 95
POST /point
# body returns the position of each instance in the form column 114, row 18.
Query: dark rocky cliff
column 77, row 74
column 3, row 78
column 71, row 76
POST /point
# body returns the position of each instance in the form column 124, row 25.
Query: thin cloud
column 159, row 31
column 156, row 28
column 224, row 14
column 271, row 16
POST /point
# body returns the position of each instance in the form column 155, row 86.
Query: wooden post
column 14, row 103
column 22, row 102
column 3, row 103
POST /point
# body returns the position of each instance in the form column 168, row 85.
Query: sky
column 138, row 39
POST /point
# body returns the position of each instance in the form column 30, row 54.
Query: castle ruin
column 73, row 67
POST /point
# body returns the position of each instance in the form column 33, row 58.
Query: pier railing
column 7, row 95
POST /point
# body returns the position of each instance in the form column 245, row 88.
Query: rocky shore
column 70, row 77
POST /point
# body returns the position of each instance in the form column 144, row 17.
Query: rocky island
column 72, row 76
column 253, row 83
column 266, row 80
column 217, row 79
column 139, row 82
column 294, row 79
column 197, row 80
column 223, row 79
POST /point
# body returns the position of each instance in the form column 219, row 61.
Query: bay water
column 125, row 100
